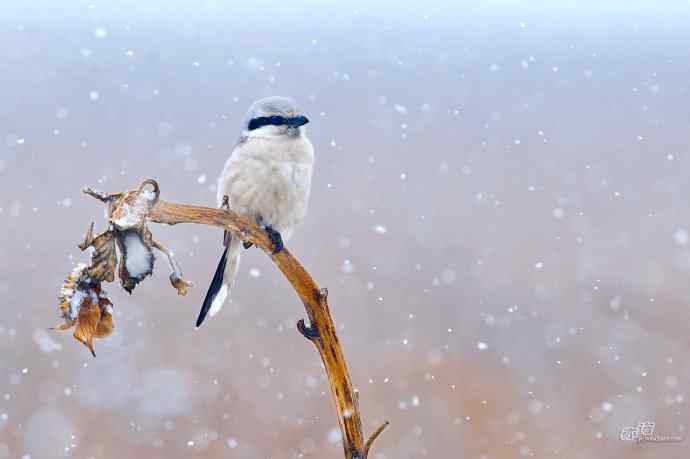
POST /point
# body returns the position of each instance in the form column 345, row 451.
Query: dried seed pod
column 136, row 260
column 130, row 211
column 180, row 284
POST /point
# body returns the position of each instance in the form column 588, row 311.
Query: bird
column 267, row 179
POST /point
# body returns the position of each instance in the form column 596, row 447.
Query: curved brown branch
column 321, row 330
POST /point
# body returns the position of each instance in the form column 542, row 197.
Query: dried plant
column 127, row 246
column 83, row 302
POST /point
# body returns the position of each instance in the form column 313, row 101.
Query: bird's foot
column 276, row 239
column 310, row 332
column 225, row 205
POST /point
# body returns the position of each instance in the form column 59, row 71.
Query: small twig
column 174, row 266
column 176, row 278
column 103, row 197
column 88, row 238
column 374, row 436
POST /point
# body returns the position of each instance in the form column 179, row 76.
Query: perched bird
column 267, row 179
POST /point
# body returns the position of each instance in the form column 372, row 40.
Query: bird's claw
column 225, row 205
column 276, row 239
column 310, row 332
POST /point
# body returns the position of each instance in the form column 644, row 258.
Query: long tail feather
column 222, row 282
column 215, row 287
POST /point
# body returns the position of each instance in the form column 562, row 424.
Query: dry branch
column 321, row 330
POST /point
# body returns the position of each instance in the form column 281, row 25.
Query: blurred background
column 500, row 211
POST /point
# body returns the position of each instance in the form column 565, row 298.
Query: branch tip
column 374, row 436
column 103, row 197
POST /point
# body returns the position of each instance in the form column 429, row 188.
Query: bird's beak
column 298, row 121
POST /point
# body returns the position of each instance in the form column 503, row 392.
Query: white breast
column 269, row 178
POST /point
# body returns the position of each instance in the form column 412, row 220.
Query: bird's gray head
column 274, row 115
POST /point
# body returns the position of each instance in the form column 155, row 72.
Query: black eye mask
column 276, row 120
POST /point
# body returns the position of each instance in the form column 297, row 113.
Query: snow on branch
column 127, row 247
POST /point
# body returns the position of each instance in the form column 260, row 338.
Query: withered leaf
column 83, row 304
column 104, row 257
column 66, row 325
column 87, row 322
column 105, row 325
